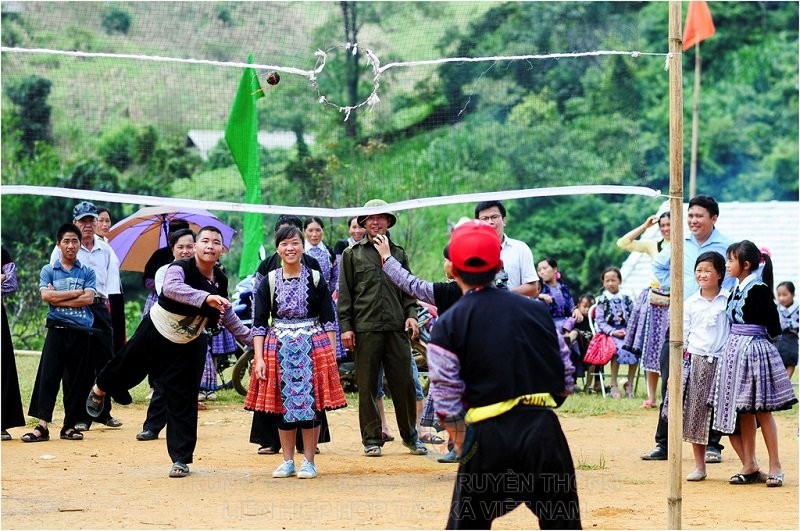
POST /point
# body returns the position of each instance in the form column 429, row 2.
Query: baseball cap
column 83, row 209
column 475, row 248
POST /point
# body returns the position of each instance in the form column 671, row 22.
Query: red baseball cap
column 475, row 248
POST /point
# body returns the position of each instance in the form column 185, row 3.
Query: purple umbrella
column 136, row 237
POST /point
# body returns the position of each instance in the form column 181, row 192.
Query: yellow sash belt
column 478, row 414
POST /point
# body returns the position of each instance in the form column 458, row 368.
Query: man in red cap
column 497, row 373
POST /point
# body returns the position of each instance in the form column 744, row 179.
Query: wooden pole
column 675, row 413
column 695, row 122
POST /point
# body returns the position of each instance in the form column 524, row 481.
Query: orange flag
column 699, row 25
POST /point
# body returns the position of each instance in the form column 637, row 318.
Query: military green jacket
column 368, row 300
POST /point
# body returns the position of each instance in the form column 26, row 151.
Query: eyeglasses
column 492, row 218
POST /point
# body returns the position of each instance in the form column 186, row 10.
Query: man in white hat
column 374, row 317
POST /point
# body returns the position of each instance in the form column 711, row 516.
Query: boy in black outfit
column 497, row 368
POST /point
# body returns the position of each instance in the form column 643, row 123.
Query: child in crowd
column 788, row 312
column 613, row 311
column 554, row 293
column 705, row 329
column 578, row 334
column 751, row 380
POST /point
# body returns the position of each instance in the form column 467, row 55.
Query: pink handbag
column 600, row 350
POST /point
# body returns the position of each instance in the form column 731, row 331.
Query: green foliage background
column 454, row 128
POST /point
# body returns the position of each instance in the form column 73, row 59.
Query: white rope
column 371, row 57
column 495, row 58
column 158, row 58
column 110, row 197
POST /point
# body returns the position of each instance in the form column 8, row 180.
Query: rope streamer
column 110, row 197
column 372, row 60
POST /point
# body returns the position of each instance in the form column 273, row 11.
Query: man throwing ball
column 498, row 373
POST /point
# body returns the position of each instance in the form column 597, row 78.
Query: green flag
column 241, row 134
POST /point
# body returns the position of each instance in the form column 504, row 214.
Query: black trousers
column 177, row 367
column 102, row 349
column 65, row 358
column 117, row 303
column 714, row 437
column 12, row 415
column 519, row 457
column 391, row 349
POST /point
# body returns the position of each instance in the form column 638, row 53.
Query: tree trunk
column 349, row 14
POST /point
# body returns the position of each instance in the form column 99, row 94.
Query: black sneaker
column 656, row 454
column 111, row 422
column 146, row 435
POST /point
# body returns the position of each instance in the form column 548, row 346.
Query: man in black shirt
column 498, row 372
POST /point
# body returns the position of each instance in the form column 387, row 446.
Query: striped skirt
column 646, row 332
column 699, row 373
column 750, row 378
column 302, row 375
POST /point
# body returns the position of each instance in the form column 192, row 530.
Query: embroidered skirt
column 223, row 343
column 750, row 378
column 647, row 331
column 209, row 380
column 699, row 373
column 302, row 375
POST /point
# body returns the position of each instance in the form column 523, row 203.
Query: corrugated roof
column 772, row 224
column 205, row 139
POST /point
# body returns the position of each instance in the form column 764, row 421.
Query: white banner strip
column 110, row 197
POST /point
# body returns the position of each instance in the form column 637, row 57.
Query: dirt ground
column 112, row 481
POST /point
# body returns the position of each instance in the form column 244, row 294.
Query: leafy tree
column 118, row 147
column 32, row 112
column 219, row 157
column 92, row 174
column 116, row 20
column 145, row 145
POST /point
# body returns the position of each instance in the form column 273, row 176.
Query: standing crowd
column 314, row 305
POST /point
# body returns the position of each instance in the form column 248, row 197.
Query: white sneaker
column 307, row 470
column 211, row 396
column 285, row 470
column 201, row 396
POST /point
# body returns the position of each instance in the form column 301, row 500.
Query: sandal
column 178, row 470
column 431, row 438
column 267, row 450
column 628, row 388
column 615, row 392
column 647, row 404
column 95, row 403
column 42, row 435
column 775, row 480
column 745, row 479
column 372, row 450
column 386, row 437
column 71, row 434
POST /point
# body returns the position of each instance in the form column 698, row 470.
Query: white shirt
column 705, row 324
column 159, row 277
column 517, row 262
column 103, row 260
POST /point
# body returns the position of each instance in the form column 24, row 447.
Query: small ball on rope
column 273, row 78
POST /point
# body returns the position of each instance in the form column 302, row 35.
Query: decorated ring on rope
column 372, row 60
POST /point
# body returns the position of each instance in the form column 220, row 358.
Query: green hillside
column 120, row 125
